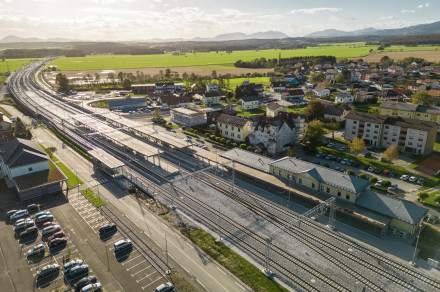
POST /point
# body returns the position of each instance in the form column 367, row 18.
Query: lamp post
column 167, row 272
column 218, row 223
column 412, row 262
column 290, row 182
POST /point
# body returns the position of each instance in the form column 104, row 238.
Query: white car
column 378, row 183
column 122, row 244
column 412, row 179
column 330, row 145
column 37, row 249
column 371, row 169
column 404, row 177
column 51, row 229
column 392, row 189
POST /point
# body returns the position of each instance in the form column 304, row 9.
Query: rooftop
column 232, row 120
column 32, row 180
column 187, row 111
column 399, row 106
column 19, row 152
column 248, row 158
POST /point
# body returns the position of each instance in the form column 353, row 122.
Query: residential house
column 208, row 98
column 188, row 117
column 294, row 95
column 321, row 91
column 273, row 108
column 319, row 178
column 435, row 94
column 431, row 83
column 343, row 97
column 179, row 88
column 167, row 88
column 212, row 114
column 416, row 87
column 336, row 112
column 278, row 86
column 383, row 85
column 171, row 101
column 25, row 166
column 249, row 102
column 370, row 76
column 143, row 88
column 394, row 69
column 410, row 135
column 6, row 128
column 364, row 96
column 211, row 87
column 252, row 88
column 233, row 128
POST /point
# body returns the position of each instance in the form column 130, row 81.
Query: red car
column 58, row 234
column 47, row 224
column 56, row 241
column 386, row 172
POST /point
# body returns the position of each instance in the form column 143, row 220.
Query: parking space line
column 141, row 270
column 90, row 215
column 146, row 276
column 151, row 283
column 131, row 259
column 128, row 269
column 113, row 241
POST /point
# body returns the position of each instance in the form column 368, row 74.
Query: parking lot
column 126, row 271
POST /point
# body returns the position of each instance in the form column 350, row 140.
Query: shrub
column 212, row 137
column 218, row 139
column 256, row 151
column 373, row 179
column 183, row 128
column 163, row 122
column 228, row 142
column 362, row 175
column 222, row 140
column 386, row 183
column 326, row 165
column 350, row 172
column 191, row 130
column 243, row 146
column 437, row 199
column 234, row 144
column 195, row 131
column 170, row 124
column 249, row 148
column 207, row 135
column 423, row 195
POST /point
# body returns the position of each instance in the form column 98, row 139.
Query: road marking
column 240, row 286
column 151, row 283
column 113, row 241
column 131, row 259
column 202, row 283
column 146, row 276
column 221, row 271
column 128, row 269
column 141, row 270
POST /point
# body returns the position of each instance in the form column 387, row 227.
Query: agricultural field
column 404, row 48
column 234, row 82
column 209, row 61
column 13, row 64
column 429, row 55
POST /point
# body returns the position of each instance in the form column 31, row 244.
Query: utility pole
column 412, row 262
column 167, row 272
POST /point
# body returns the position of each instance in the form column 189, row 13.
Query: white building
column 343, row 97
column 321, row 91
column 187, row 117
column 211, row 87
column 249, row 102
column 208, row 98
column 233, row 128
column 273, row 108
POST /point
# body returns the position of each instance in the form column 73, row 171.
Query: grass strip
column 90, row 195
column 5, row 112
column 72, row 179
column 428, row 242
column 69, row 143
column 248, row 273
column 54, row 158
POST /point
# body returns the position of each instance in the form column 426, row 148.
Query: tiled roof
column 232, row 120
column 404, row 106
column 19, row 152
column 273, row 105
column 434, row 93
column 249, row 98
column 393, row 207
column 429, row 109
column 294, row 92
column 323, row 174
column 174, row 99
column 365, row 117
column 336, row 109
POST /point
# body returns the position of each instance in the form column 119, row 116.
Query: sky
column 137, row 20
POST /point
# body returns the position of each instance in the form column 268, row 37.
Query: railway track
column 147, row 251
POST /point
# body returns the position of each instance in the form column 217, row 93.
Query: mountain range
column 420, row 29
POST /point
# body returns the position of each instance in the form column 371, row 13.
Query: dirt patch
column 430, row 56
column 155, row 70
column 430, row 165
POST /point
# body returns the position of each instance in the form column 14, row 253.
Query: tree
column 385, row 61
column 314, row 134
column 386, row 183
column 343, row 77
column 315, row 108
column 349, row 172
column 373, row 179
column 126, row 83
column 362, row 175
column 392, row 153
column 63, row 82
column 357, row 145
column 317, row 77
column 333, row 126
column 50, row 151
column 422, row 98
column 290, row 152
column 167, row 73
column 326, row 165
column 157, row 114
column 22, row 130
column 423, row 195
column 437, row 199
column 183, row 128
column 214, row 74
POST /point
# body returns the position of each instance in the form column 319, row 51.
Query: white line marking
column 151, row 283
column 146, row 276
column 221, row 271
column 131, row 260
column 141, row 270
column 240, row 286
column 128, row 269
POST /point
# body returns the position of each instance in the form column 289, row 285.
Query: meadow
column 13, row 64
column 209, row 61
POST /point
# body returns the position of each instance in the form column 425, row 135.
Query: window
column 386, row 132
column 288, row 175
column 375, row 137
column 232, row 134
column 274, row 170
column 232, row 128
column 368, row 131
column 368, row 124
column 355, row 122
column 387, row 127
column 419, row 144
column 394, row 134
column 354, row 127
column 368, row 135
column 313, row 185
column 226, row 126
column 347, row 196
column 385, row 138
column 394, row 139
column 418, row 115
column 339, row 193
column 238, row 136
column 280, row 172
column 409, row 143
column 328, row 190
column 322, row 188
column 353, row 132
column 300, row 180
column 227, row 133
column 238, row 129
column 30, row 168
column 376, row 126
column 426, row 116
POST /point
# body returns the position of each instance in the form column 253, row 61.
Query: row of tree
column 40, row 53
column 283, row 62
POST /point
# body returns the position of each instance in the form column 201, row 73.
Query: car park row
column 46, row 263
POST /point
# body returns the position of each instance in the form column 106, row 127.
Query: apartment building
column 188, row 117
column 414, row 136
column 233, row 128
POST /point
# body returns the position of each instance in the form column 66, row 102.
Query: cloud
column 427, row 4
column 315, row 10
column 333, row 18
column 387, row 17
column 407, row 11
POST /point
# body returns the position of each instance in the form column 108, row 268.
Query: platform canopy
column 105, row 158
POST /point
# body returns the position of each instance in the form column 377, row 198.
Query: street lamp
column 167, row 272
column 412, row 262
column 290, row 182
column 218, row 223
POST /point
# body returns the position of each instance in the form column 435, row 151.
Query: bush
column 207, row 135
column 191, row 130
column 170, row 124
column 249, row 148
column 256, row 151
column 163, row 122
column 183, row 128
column 362, row 175
column 326, row 165
column 423, row 195
column 243, row 146
column 195, row 131
column 212, row 137
column 234, row 144
column 222, row 140
column 373, row 179
column 350, row 172
column 386, row 183
column 228, row 142
column 218, row 139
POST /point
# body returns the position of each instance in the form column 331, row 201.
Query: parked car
column 319, row 154
column 37, row 249
column 29, row 232
column 328, row 157
column 391, row 188
column 19, row 214
column 43, row 219
column 22, row 220
column 166, row 287
column 24, row 225
column 337, row 168
column 342, row 148
column 10, row 213
column 350, row 162
column 56, row 241
column 318, row 162
column 107, row 228
column 412, row 179
column 404, row 177
column 59, row 234
column 420, row 181
column 367, row 155
column 378, row 183
column 47, row 270
column 33, row 208
column 96, row 287
column 378, row 170
column 78, row 270
column 51, row 230
column 50, row 223
column 344, row 161
column 386, row 172
column 73, row 263
column 39, row 214
column 84, row 282
column 338, row 159
column 330, row 145
column 122, row 244
column 431, row 219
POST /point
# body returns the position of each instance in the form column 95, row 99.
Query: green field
column 405, row 49
column 209, row 61
column 13, row 64
column 234, row 82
